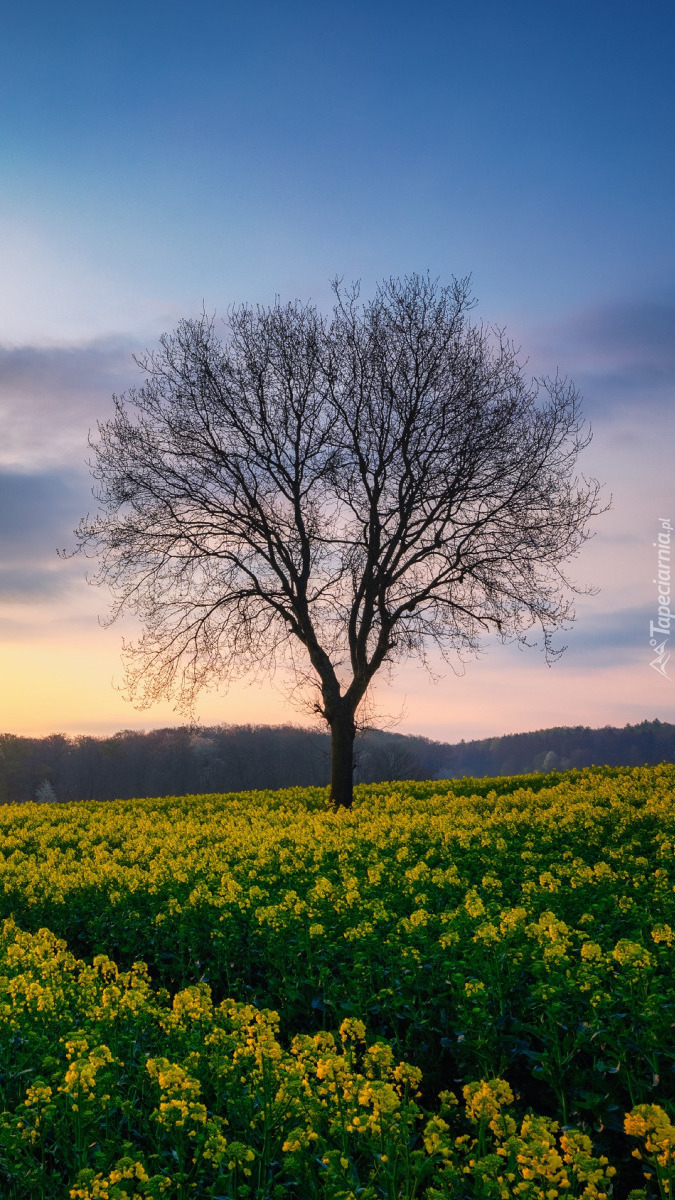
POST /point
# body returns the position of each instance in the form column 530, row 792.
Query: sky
column 158, row 159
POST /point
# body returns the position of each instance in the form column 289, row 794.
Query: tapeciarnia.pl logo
column 659, row 630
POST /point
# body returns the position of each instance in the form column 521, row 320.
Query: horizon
column 160, row 163
column 311, row 729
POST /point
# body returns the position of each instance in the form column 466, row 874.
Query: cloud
column 618, row 638
column 609, row 639
column 31, row 583
column 50, row 396
column 628, row 350
column 618, row 353
column 39, row 625
column 38, row 512
column 638, row 335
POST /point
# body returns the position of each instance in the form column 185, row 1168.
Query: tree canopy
column 336, row 492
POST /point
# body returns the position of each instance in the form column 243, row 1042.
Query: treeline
column 233, row 758
column 559, row 749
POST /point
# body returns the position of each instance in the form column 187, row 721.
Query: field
column 459, row 989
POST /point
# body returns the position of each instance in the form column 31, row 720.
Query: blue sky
column 158, row 157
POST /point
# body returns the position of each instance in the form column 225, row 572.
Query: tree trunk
column 343, row 730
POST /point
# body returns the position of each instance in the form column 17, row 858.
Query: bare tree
column 335, row 493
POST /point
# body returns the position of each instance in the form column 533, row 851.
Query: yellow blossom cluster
column 654, row 1128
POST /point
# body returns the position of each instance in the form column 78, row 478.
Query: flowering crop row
column 111, row 1091
column 519, row 932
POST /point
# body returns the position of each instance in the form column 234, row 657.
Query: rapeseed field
column 456, row 989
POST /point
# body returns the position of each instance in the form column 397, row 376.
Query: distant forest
column 231, row 758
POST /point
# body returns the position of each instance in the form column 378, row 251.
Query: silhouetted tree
column 335, row 493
